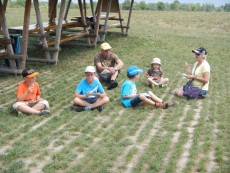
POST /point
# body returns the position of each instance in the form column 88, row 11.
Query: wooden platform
column 47, row 26
column 68, row 38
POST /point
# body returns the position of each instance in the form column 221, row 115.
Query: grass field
column 192, row 137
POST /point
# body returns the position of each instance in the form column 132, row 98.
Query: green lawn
column 192, row 137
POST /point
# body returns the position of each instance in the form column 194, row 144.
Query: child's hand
column 88, row 94
column 187, row 68
column 31, row 88
column 146, row 75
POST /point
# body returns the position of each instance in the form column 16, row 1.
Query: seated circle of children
column 29, row 95
column 155, row 75
column 89, row 93
column 129, row 95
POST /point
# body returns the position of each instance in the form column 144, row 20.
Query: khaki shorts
column 31, row 104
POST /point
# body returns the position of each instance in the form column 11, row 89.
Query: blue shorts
column 135, row 101
column 91, row 100
column 203, row 92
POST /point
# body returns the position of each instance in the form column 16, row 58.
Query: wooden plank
column 68, row 38
column 47, row 26
column 115, row 25
column 3, row 54
column 4, row 41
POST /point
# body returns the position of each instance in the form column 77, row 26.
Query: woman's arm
column 204, row 78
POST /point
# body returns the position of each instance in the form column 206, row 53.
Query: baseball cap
column 200, row 50
column 133, row 70
column 29, row 73
column 90, row 69
column 156, row 61
column 105, row 46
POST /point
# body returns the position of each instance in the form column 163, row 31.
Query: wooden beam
column 25, row 33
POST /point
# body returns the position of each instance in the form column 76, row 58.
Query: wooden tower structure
column 58, row 30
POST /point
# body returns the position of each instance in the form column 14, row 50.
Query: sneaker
column 163, row 85
column 19, row 113
column 150, row 85
column 99, row 108
column 78, row 108
column 163, row 105
column 171, row 104
column 112, row 85
column 44, row 112
column 201, row 97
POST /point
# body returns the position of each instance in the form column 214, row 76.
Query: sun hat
column 30, row 73
column 90, row 69
column 133, row 70
column 105, row 46
column 156, row 61
column 200, row 50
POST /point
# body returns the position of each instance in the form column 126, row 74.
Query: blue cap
column 200, row 50
column 133, row 70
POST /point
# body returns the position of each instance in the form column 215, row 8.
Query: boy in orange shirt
column 28, row 95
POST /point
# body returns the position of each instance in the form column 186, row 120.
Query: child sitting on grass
column 89, row 93
column 131, row 98
column 155, row 75
column 28, row 95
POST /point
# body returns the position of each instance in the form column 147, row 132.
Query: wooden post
column 119, row 13
column 25, row 33
column 98, row 12
column 106, row 20
column 67, row 9
column 41, row 28
column 6, row 34
column 52, row 10
column 83, row 20
column 4, row 8
column 85, row 10
column 92, row 9
column 58, row 30
column 130, row 13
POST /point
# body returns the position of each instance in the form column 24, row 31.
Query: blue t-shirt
column 83, row 87
column 127, row 88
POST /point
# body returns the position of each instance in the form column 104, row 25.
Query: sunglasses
column 30, row 71
column 197, row 54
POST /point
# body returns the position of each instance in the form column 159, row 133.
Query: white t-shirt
column 204, row 67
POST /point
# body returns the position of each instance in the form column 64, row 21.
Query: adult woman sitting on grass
column 199, row 76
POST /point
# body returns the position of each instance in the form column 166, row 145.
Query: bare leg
column 39, row 106
column 152, row 82
column 100, row 102
column 163, row 81
column 145, row 100
column 154, row 97
column 80, row 102
column 28, row 110
column 114, row 76
column 179, row 92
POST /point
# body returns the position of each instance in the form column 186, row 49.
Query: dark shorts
column 203, row 92
column 91, row 100
column 105, row 77
column 135, row 101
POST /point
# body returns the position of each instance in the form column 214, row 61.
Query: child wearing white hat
column 155, row 75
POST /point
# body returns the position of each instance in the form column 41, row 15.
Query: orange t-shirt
column 32, row 97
